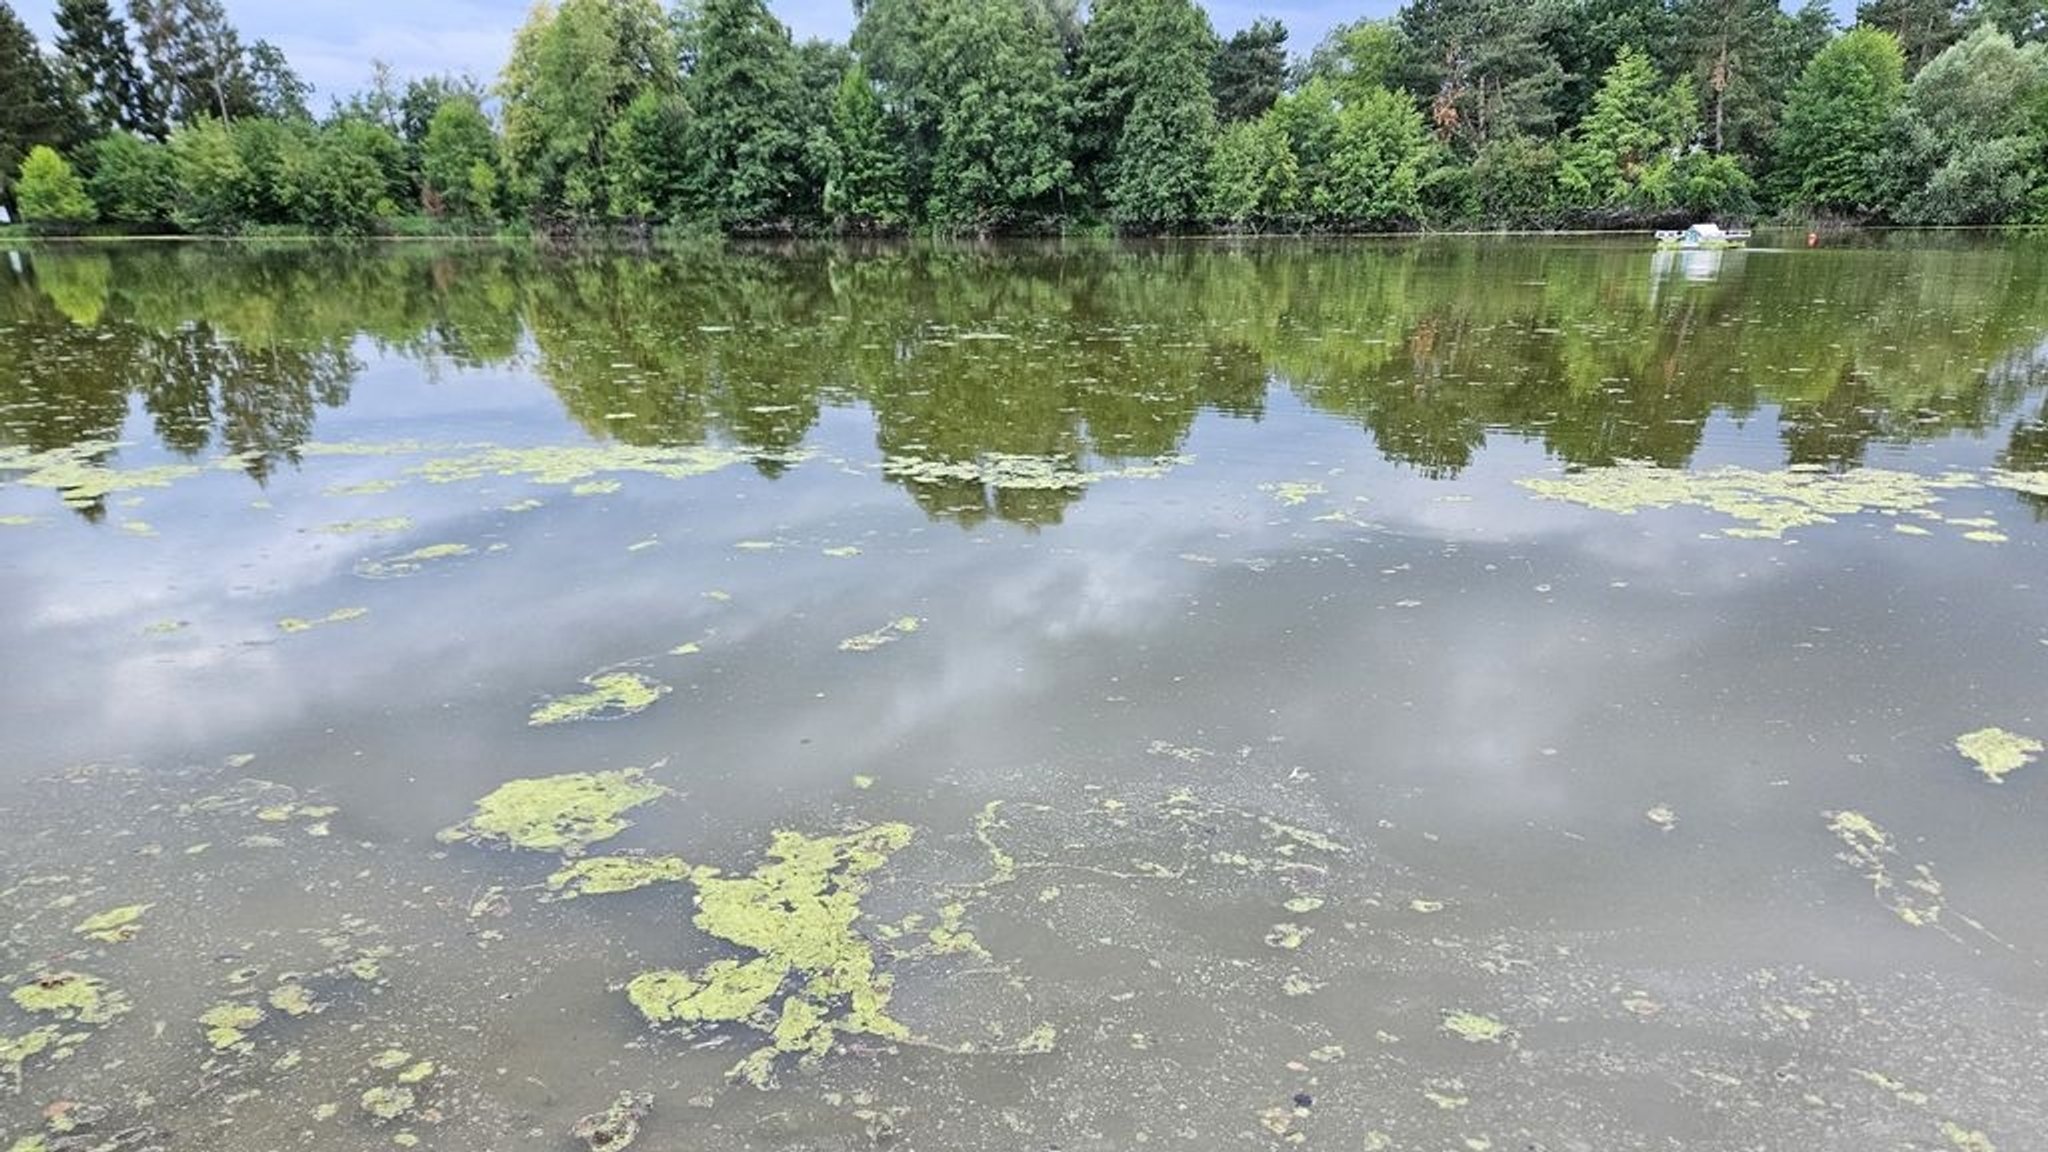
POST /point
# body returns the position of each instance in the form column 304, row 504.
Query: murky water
column 1463, row 695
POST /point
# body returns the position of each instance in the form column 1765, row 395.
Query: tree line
column 986, row 116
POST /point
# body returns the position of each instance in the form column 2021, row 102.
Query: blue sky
column 331, row 42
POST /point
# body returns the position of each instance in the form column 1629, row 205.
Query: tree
column 1925, row 28
column 1308, row 118
column 132, row 179
column 96, row 59
column 49, row 191
column 1358, row 57
column 195, row 61
column 1837, row 120
column 1636, row 121
column 1144, row 93
column 995, row 79
column 1967, row 143
column 215, row 192
column 1743, row 56
column 1591, row 36
column 275, row 90
column 742, row 92
column 1250, row 71
column 459, row 161
column 33, row 109
column 1514, row 181
column 1376, row 168
column 1482, row 67
column 1252, row 176
column 572, row 73
column 651, row 164
column 865, row 188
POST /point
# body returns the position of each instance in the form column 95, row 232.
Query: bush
column 132, row 180
column 49, row 191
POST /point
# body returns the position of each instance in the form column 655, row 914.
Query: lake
column 1439, row 694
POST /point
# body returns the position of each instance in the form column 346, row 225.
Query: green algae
column 1997, row 752
column 380, row 526
column 1288, row 936
column 364, row 488
column 16, row 521
column 386, row 1103
column 687, row 648
column 1966, row 1139
column 797, row 913
column 296, row 624
column 389, row 1059
column 417, row 1072
column 406, row 564
column 80, row 477
column 1017, row 472
column 115, row 925
column 843, row 552
column 1293, row 493
column 1868, row 848
column 1302, row 904
column 609, row 875
column 1766, row 503
column 565, row 813
column 138, row 527
column 1474, row 1028
column 617, row 1126
column 292, row 999
column 596, row 488
column 612, row 696
column 17, row 1051
column 572, row 464
column 227, row 1025
column 71, row 996
column 887, row 634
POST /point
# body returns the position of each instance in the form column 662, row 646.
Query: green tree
column 49, row 190
column 459, row 161
column 1636, row 121
column 1144, row 92
column 1515, row 182
column 196, row 65
column 571, row 75
column 96, row 59
column 994, row 75
column 132, row 181
column 1308, row 118
column 1837, row 120
column 33, row 108
column 1925, row 28
column 1483, row 67
column 275, row 90
column 1249, row 71
column 1376, row 169
column 1967, row 143
column 339, row 183
column 865, row 188
column 652, row 167
column 1358, row 57
column 1742, row 56
column 1252, row 178
column 1590, row 35
column 742, row 93
column 214, row 188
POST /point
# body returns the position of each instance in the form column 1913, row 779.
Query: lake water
column 1430, row 695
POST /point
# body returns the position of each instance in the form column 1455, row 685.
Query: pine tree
column 93, row 51
column 33, row 108
column 1250, row 71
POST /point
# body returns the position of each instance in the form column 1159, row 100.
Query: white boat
column 1702, row 236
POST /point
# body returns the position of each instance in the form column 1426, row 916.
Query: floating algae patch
column 17, row 1051
column 565, row 813
column 71, row 996
column 1998, row 753
column 887, row 634
column 227, row 1025
column 1018, row 472
column 338, row 616
column 115, row 925
column 1766, row 503
column 813, row 975
column 579, row 464
column 607, row 875
column 617, row 1126
column 1868, row 848
column 388, row 1102
column 381, row 526
column 1293, row 492
column 1473, row 1027
column 391, row 567
column 612, row 696
column 16, row 521
column 79, row 474
column 1966, row 1139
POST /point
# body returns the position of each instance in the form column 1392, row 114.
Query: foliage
column 1376, row 168
column 1637, row 120
column 743, row 97
column 98, row 63
column 1249, row 71
column 133, row 180
column 1967, row 142
column 459, row 161
column 1837, row 121
column 50, row 191
column 993, row 71
column 33, row 108
column 1514, row 181
column 865, row 187
column 1483, row 68
column 1252, row 175
column 1144, row 91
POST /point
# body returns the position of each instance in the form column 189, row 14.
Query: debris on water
column 617, row 1126
column 388, row 1102
column 1868, row 848
column 1998, row 753
column 1662, row 816
column 565, row 813
column 1767, row 503
column 338, row 616
column 408, row 563
column 1294, row 492
column 612, row 696
column 69, row 995
column 227, row 1025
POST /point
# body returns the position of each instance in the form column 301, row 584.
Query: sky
column 331, row 42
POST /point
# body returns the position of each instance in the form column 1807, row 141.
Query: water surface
column 1445, row 694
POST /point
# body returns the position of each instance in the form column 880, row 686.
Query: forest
column 977, row 117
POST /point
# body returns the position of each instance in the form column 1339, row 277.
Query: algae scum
column 1445, row 696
